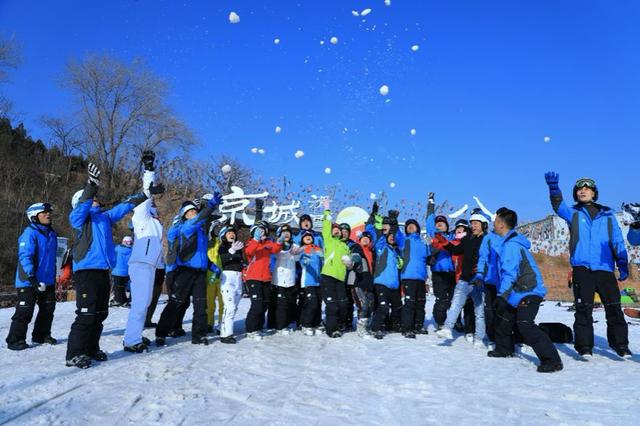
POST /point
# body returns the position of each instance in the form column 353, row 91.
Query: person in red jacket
column 258, row 252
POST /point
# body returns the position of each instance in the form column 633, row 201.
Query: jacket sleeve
column 275, row 248
column 78, row 216
column 620, row 250
column 457, row 248
column 121, row 210
column 430, row 225
column 192, row 225
column 559, row 206
column 372, row 230
column 26, row 253
column 400, row 239
column 483, row 256
column 326, row 226
column 141, row 213
column 509, row 268
column 250, row 248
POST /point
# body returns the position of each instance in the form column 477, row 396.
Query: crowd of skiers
column 481, row 270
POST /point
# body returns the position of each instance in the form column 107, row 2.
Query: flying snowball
column 372, row 196
column 226, row 169
column 328, row 170
column 547, row 139
column 234, row 18
column 261, row 151
column 321, row 42
column 387, row 2
column 413, row 132
column 384, row 90
column 392, row 185
column 299, row 154
column 355, row 13
column 254, row 150
column 278, row 130
column 334, row 40
column 415, row 48
column 365, row 12
column 276, row 41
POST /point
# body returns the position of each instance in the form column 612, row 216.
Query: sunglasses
column 585, row 183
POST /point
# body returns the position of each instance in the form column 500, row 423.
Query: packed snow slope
column 304, row 380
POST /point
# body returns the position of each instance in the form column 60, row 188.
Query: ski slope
column 304, row 380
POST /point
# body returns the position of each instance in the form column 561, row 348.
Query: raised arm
column 557, row 203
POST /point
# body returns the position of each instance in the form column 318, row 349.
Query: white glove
column 42, row 287
column 347, row 261
column 236, row 247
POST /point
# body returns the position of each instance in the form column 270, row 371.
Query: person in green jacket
column 332, row 283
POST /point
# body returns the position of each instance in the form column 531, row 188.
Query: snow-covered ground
column 303, row 380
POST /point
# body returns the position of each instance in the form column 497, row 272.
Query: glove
column 393, row 215
column 378, row 222
column 624, row 272
column 156, row 189
column 431, row 197
column 148, row 157
column 375, row 208
column 258, row 234
column 347, row 261
column 552, row 179
column 214, row 268
column 94, row 174
column 236, row 247
column 478, row 279
column 400, row 262
column 37, row 285
column 215, row 201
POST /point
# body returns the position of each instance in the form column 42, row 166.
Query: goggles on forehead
column 585, row 183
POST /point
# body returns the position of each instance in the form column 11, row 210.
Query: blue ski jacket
column 488, row 260
column 414, row 254
column 37, row 247
column 123, row 253
column 311, row 263
column 193, row 244
column 443, row 261
column 386, row 268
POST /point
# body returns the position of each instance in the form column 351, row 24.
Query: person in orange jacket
column 258, row 251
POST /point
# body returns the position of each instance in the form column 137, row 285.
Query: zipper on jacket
column 146, row 253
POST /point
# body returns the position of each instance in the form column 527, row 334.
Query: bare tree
column 122, row 111
column 9, row 60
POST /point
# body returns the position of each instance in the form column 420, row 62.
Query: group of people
column 481, row 270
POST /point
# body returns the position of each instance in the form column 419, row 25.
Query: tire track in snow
column 40, row 404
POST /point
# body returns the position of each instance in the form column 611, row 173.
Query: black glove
column 148, row 158
column 94, row 174
column 34, row 283
column 393, row 215
column 375, row 208
column 156, row 189
column 431, row 197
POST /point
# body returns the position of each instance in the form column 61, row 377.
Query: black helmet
column 345, row 226
column 462, row 222
column 409, row 222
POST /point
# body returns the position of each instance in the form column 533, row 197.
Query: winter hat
column 366, row 234
column 304, row 234
column 127, row 241
column 462, row 222
column 588, row 183
column 35, row 209
column 443, row 219
column 386, row 220
column 305, row 217
column 334, row 225
column 409, row 222
column 186, row 206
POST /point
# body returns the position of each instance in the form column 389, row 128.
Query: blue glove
column 215, row 201
column 214, row 268
column 552, row 179
column 258, row 234
column 478, row 279
column 624, row 272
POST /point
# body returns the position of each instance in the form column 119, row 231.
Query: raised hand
column 94, row 174
column 156, row 189
column 148, row 159
column 552, row 179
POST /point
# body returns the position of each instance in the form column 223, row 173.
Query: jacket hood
column 518, row 238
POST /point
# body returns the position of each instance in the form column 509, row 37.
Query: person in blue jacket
column 443, row 275
column 596, row 247
column 35, row 279
column 632, row 211
column 190, row 275
column 520, row 292
column 414, row 275
column 311, row 261
column 386, row 281
column 93, row 256
column 120, row 272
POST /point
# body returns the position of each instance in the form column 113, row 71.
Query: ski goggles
column 585, row 183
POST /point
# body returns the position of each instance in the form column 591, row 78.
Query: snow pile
column 299, row 154
column 303, row 380
column 384, row 90
column 234, row 18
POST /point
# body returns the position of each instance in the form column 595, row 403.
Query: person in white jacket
column 146, row 256
column 284, row 278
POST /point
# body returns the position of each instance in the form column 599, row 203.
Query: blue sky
column 488, row 83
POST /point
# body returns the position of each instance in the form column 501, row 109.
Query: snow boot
column 549, row 367
column 335, row 334
column 498, row 354
column 18, row 346
column 444, row 333
column 100, row 356
column 379, row 335
column 421, row 330
column 48, row 340
column 409, row 334
column 585, row 352
column 201, row 341
column 623, row 352
column 80, row 361
column 361, row 328
column 160, row 341
column 138, row 348
column 308, row 331
column 229, row 340
column 177, row 333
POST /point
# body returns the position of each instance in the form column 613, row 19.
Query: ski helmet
column 365, row 234
column 186, row 206
column 223, row 231
column 409, row 222
column 462, row 222
column 260, row 224
column 345, row 227
column 283, row 228
column 305, row 217
column 585, row 183
column 127, row 241
column 478, row 214
column 35, row 209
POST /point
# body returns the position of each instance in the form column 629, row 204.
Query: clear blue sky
column 490, row 80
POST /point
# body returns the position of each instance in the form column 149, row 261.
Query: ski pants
column 142, row 279
column 462, row 291
column 286, row 298
column 28, row 298
column 311, row 305
column 260, row 294
column 231, row 291
column 92, row 308
column 490, row 294
column 334, row 296
column 415, row 297
column 523, row 316
column 365, row 301
column 214, row 299
column 157, row 290
column 189, row 282
column 120, row 289
column 388, row 300
column 585, row 284
column 443, row 285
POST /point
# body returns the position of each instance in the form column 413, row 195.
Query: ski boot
column 549, row 367
column 100, row 355
column 80, row 361
column 201, row 341
column 138, row 348
column 228, row 340
column 48, row 340
column 18, row 346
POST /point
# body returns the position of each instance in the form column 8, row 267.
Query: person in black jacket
column 230, row 253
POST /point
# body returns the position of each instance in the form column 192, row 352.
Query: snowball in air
column 226, row 169
column 234, row 18
column 334, row 40
column 299, row 154
column 254, row 150
column 321, row 42
column 387, row 2
column 415, row 48
column 261, row 151
column 413, row 132
column 392, row 185
column 355, row 13
column 276, row 41
column 328, row 170
column 278, row 129
column 384, row 90
column 547, row 139
column 372, row 196
column 365, row 12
